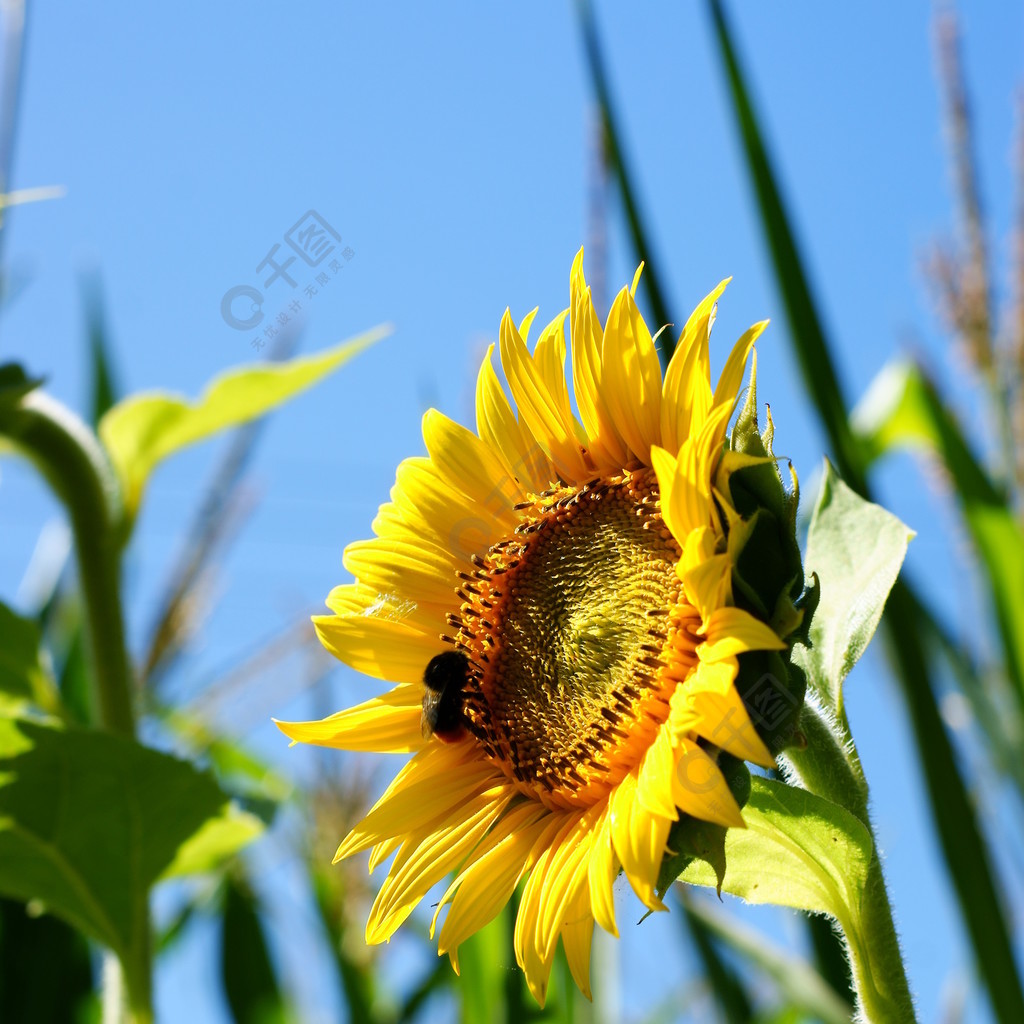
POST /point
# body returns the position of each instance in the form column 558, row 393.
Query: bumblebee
column 444, row 678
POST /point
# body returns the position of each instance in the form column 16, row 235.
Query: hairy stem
column 829, row 767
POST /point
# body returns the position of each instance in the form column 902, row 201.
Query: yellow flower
column 583, row 570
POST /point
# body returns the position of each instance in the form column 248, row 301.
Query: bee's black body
column 444, row 679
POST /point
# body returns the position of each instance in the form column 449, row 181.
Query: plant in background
column 590, row 623
column 140, row 816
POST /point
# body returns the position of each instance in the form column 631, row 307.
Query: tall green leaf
column 727, row 989
column 798, row 983
column 34, row 950
column 103, row 384
column 623, row 175
column 247, row 973
column 966, row 856
column 902, row 409
column 142, row 430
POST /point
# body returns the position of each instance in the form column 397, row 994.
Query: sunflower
column 569, row 581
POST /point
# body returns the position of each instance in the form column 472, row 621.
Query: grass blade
column 800, row 985
column 903, row 409
column 625, row 181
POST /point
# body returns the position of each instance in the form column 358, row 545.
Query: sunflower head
column 582, row 604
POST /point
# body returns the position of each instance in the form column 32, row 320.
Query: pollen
column 578, row 634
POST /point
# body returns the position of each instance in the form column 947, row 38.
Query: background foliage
column 957, row 665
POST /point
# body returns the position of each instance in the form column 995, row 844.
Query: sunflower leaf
column 141, row 431
column 798, row 850
column 25, row 677
column 856, row 550
column 214, row 843
column 90, row 820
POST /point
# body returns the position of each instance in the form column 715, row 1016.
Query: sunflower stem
column 75, row 464
column 829, row 767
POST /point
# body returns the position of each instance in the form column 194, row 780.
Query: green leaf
column 141, row 431
column 15, row 383
column 797, row 850
column 90, row 820
column 483, row 962
column 216, row 842
column 819, row 374
column 35, row 949
column 616, row 156
column 356, row 977
column 104, row 388
column 902, row 409
column 239, row 770
column 25, row 677
column 727, row 990
column 798, row 983
column 856, row 549
column 250, row 983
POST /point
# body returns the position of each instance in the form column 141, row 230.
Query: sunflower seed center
column 568, row 623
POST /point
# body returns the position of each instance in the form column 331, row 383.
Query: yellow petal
column 470, row 466
column 403, row 570
column 732, row 631
column 430, row 789
column 666, row 469
column 566, row 880
column 538, row 408
column 385, row 724
column 427, row 856
column 601, row 875
column 379, row 647
column 380, row 852
column 536, row 967
column 709, row 583
column 445, row 516
column 526, row 323
column 686, row 394
column 639, row 838
column 498, row 427
column 577, row 936
column 587, row 338
column 710, row 706
column 549, row 358
column 486, row 883
column 700, row 789
column 729, row 382
column 654, row 782
column 633, row 391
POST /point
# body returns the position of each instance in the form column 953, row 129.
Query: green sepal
column 773, row 691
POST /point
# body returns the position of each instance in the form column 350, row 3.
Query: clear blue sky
column 448, row 147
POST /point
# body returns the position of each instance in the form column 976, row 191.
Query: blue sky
column 448, row 147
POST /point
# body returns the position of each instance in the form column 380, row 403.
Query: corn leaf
column 142, row 430
column 902, row 409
